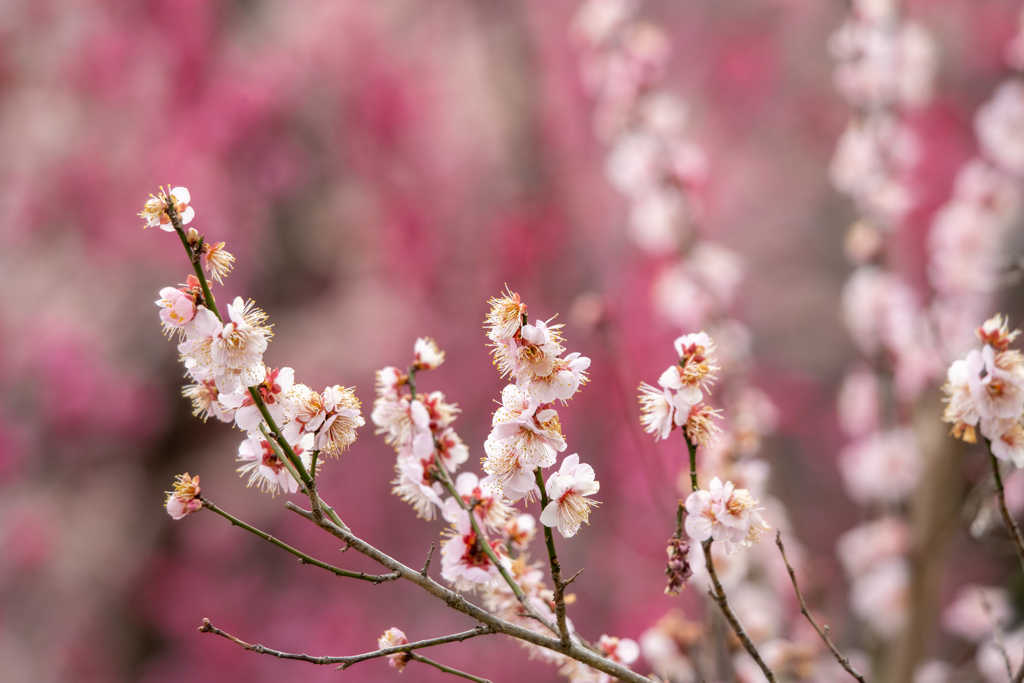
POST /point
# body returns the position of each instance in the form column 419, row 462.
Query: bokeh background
column 380, row 169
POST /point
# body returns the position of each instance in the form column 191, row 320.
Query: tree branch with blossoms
column 723, row 513
column 289, row 427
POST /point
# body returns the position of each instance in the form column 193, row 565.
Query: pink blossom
column 273, row 390
column 724, row 514
column 265, row 468
column 872, row 543
column 463, row 563
column 523, row 437
column 184, row 499
column 426, row 355
column 489, row 511
column 155, row 210
column 520, row 530
column 567, row 490
column 177, row 309
column 393, row 637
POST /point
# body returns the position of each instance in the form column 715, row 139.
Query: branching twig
column 459, row 603
column 842, row 659
column 347, row 661
column 303, row 557
column 556, row 568
column 481, row 540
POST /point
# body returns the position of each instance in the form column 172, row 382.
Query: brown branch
column 426, row 565
column 718, row 595
column 1011, row 523
column 303, row 557
column 842, row 659
column 347, row 661
column 447, row 669
column 459, row 603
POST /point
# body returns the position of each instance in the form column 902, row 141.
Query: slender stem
column 556, row 568
column 459, row 603
column 193, row 257
column 1011, row 523
column 448, row 669
column 482, row 543
column 843, row 660
column 412, row 381
column 717, row 593
column 307, row 481
column 303, row 557
column 348, row 661
column 692, row 448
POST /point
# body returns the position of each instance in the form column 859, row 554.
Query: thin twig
column 556, row 568
column 426, row 565
column 717, row 593
column 347, row 661
column 303, row 557
column 1011, row 523
column 842, row 659
column 448, row 669
column 459, row 603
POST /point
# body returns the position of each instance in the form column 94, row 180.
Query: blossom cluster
column 526, row 434
column 679, row 402
column 230, row 381
column 985, row 392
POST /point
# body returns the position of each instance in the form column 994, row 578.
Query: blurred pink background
column 380, row 170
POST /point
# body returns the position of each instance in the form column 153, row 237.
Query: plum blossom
column 464, row 563
column 871, row 544
column 184, row 499
column 332, row 416
column 231, row 354
column 415, row 485
column 619, row 650
column 273, row 390
column 657, row 410
column 178, row 306
column 725, row 514
column 393, row 637
column 489, row 511
column 524, row 436
column 342, row 417
column 206, row 401
column 520, row 530
column 567, row 490
column 216, row 261
column 426, row 355
column 505, row 318
column 155, row 210
column 260, row 460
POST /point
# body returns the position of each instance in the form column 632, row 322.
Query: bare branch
column 347, row 661
column 1011, row 523
column 842, row 659
column 448, row 669
column 303, row 557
